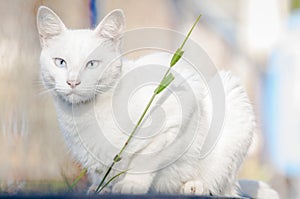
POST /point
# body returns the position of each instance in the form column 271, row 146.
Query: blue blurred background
column 258, row 40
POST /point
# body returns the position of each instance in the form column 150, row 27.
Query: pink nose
column 73, row 83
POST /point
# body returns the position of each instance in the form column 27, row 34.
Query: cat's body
column 84, row 130
column 169, row 161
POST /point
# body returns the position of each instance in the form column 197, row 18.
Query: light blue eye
column 60, row 63
column 93, row 64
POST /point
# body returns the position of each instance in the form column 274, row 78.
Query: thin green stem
column 138, row 123
column 191, row 30
column 107, row 183
column 166, row 80
column 100, row 187
column 78, row 178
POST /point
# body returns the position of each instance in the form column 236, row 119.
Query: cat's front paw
column 130, row 187
column 192, row 188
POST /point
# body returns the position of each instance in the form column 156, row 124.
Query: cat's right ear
column 48, row 24
column 112, row 25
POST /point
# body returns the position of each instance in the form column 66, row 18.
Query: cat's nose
column 73, row 83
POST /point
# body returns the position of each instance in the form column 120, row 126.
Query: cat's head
column 77, row 65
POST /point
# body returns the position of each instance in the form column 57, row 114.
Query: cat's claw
column 192, row 188
column 130, row 187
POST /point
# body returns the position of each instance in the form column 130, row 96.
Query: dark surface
column 79, row 196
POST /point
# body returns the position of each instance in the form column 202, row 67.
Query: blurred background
column 258, row 40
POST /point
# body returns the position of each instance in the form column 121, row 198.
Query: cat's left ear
column 49, row 24
column 112, row 26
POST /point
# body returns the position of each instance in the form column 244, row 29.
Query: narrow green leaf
column 105, row 176
column 164, row 83
column 177, row 55
column 78, row 178
column 109, row 181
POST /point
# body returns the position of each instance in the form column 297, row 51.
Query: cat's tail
column 256, row 190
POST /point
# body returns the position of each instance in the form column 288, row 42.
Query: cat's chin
column 74, row 98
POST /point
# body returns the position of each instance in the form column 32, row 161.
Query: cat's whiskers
column 38, row 83
column 102, row 88
column 45, row 91
column 99, row 91
column 104, row 85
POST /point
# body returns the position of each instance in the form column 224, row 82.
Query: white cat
column 83, row 69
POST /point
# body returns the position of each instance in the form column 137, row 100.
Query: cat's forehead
column 76, row 42
column 81, row 38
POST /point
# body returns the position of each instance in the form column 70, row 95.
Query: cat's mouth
column 73, row 97
column 73, row 94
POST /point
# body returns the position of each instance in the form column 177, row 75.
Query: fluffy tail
column 256, row 190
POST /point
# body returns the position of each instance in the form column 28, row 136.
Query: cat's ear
column 112, row 26
column 48, row 24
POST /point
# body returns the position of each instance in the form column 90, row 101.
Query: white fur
column 81, row 111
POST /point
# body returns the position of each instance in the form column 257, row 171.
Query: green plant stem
column 99, row 188
column 112, row 180
column 189, row 33
column 117, row 157
column 138, row 123
column 78, row 178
